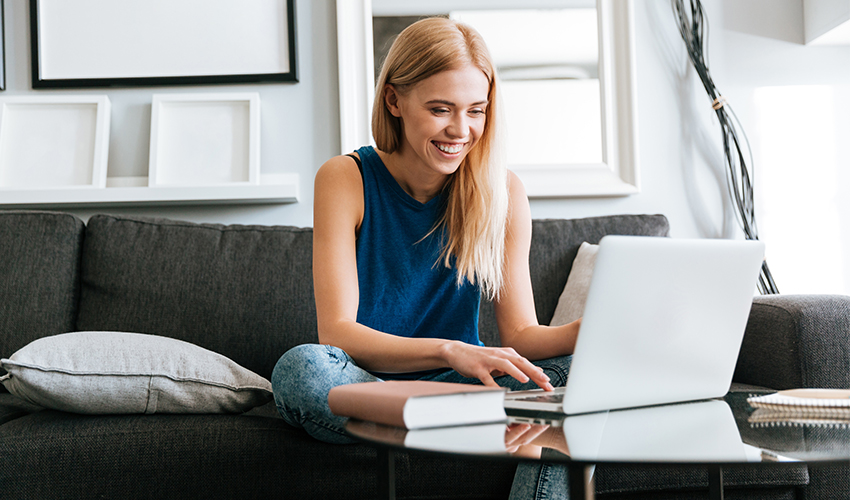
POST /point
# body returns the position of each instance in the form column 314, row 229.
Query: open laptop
column 663, row 323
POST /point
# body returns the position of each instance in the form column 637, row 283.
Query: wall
column 681, row 167
column 794, row 101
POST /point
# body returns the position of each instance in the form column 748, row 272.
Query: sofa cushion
column 574, row 297
column 632, row 480
column 245, row 292
column 12, row 407
column 39, row 276
column 237, row 456
column 214, row 457
column 554, row 246
column 114, row 372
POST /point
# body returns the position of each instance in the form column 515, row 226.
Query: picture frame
column 206, row 139
column 618, row 174
column 2, row 45
column 50, row 142
column 101, row 43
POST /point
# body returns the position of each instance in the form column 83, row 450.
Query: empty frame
column 205, row 140
column 96, row 43
column 54, row 142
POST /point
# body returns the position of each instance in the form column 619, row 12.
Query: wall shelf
column 133, row 191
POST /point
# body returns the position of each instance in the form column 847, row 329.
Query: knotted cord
column 739, row 176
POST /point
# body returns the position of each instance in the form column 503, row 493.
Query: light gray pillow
column 115, row 372
column 571, row 303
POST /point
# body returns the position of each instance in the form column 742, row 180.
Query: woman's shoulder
column 338, row 190
column 515, row 186
column 342, row 167
column 339, row 182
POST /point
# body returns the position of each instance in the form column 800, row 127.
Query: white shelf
column 127, row 192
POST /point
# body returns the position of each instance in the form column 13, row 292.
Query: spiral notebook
column 804, row 398
column 802, row 406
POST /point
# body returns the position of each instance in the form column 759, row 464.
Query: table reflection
column 704, row 431
column 713, row 431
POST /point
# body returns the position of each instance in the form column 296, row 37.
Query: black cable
column 739, row 177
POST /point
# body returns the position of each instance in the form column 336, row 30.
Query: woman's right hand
column 485, row 363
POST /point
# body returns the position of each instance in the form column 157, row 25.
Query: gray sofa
column 246, row 292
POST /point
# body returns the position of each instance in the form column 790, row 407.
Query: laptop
column 663, row 323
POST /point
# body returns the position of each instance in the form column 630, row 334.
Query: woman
column 409, row 235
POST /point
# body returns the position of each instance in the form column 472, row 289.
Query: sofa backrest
column 247, row 291
column 554, row 245
column 39, row 276
column 243, row 291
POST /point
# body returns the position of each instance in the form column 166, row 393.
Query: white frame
column 163, row 139
column 94, row 43
column 617, row 175
column 356, row 72
column 96, row 141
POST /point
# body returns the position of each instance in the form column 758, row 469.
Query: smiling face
column 442, row 117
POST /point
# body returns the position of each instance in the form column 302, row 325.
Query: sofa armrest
column 797, row 341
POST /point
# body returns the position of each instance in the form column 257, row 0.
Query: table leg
column 715, row 482
column 581, row 483
column 386, row 474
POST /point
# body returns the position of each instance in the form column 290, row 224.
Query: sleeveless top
column 405, row 288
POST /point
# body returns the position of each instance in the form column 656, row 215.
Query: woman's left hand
column 485, row 363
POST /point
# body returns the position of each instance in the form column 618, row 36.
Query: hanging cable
column 739, row 175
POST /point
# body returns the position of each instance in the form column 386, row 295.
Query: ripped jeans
column 305, row 374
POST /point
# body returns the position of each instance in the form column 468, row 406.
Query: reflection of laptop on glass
column 663, row 323
column 703, row 431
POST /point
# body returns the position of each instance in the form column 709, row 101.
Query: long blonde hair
column 477, row 206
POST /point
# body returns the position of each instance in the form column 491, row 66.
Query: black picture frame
column 2, row 45
column 40, row 81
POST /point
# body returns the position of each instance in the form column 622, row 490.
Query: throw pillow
column 115, row 372
column 571, row 303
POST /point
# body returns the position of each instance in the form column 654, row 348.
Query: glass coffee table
column 713, row 433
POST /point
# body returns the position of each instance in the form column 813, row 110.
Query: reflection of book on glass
column 830, row 403
column 799, row 436
column 484, row 439
column 416, row 404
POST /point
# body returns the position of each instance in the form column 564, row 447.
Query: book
column 805, row 403
column 419, row 404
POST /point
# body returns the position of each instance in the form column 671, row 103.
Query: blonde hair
column 477, row 206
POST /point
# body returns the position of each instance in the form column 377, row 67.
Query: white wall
column 682, row 174
column 794, row 101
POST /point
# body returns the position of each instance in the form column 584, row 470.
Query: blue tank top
column 405, row 289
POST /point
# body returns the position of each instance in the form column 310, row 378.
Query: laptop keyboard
column 557, row 397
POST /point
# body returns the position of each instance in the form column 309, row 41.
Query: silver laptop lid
column 663, row 323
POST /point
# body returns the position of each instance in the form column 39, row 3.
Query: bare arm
column 515, row 312
column 338, row 212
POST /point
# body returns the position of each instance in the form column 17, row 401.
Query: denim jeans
column 305, row 374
